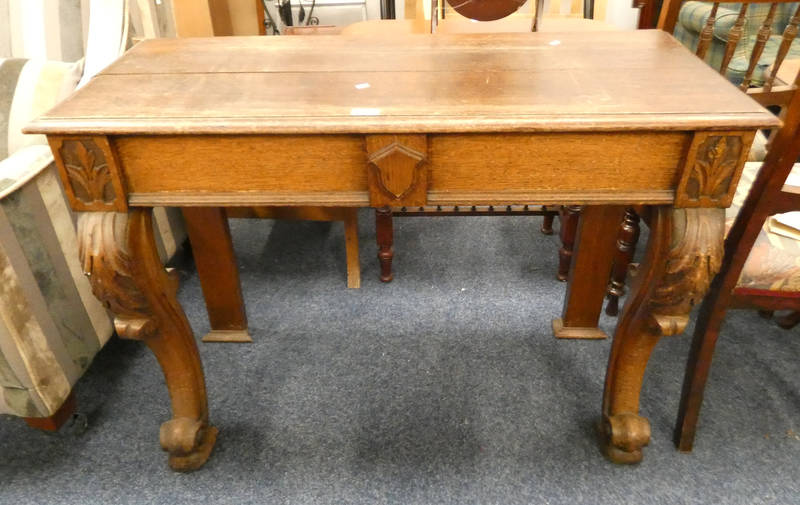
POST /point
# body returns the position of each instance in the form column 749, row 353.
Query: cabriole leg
column 684, row 253
column 119, row 255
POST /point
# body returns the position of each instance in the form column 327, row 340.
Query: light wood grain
column 274, row 163
column 525, row 82
column 625, row 167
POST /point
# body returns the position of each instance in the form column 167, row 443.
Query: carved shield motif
column 397, row 182
column 396, row 173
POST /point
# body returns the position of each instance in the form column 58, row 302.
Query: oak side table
column 604, row 120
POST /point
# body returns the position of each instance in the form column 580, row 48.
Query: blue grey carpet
column 444, row 387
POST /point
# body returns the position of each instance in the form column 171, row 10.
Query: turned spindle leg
column 118, row 253
column 569, row 228
column 684, row 253
column 547, row 223
column 626, row 247
column 384, row 233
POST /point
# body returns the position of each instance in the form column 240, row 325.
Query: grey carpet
column 445, row 386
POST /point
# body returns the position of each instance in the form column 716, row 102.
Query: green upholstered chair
column 694, row 14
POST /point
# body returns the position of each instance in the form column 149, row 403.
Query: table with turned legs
column 601, row 120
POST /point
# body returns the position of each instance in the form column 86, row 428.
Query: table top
column 638, row 80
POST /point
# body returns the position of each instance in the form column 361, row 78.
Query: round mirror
column 485, row 10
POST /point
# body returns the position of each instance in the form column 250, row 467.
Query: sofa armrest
column 23, row 165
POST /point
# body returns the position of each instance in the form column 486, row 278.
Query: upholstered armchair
column 51, row 325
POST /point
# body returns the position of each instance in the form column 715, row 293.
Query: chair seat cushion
column 774, row 261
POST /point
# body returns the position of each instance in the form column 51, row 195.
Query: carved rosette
column 713, row 167
column 90, row 173
column 118, row 254
column 396, row 174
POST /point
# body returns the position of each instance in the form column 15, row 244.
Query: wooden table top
column 638, row 80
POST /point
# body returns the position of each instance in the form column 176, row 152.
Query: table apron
column 631, row 167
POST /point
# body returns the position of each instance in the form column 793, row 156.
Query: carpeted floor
column 445, row 386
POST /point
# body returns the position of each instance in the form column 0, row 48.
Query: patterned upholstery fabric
column 693, row 16
column 51, row 325
column 774, row 261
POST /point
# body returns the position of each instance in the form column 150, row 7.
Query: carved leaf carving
column 108, row 265
column 715, row 165
column 695, row 257
column 88, row 171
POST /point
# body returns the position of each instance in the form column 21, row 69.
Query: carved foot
column 622, row 437
column 188, row 441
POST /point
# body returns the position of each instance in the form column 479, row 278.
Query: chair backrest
column 773, row 91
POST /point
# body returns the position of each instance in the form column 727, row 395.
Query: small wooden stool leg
column 384, row 233
column 626, row 247
column 219, row 274
column 569, row 226
column 351, row 248
column 59, row 417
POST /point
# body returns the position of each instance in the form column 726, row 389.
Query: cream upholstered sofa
column 51, row 325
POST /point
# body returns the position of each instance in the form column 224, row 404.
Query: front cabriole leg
column 684, row 254
column 118, row 253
